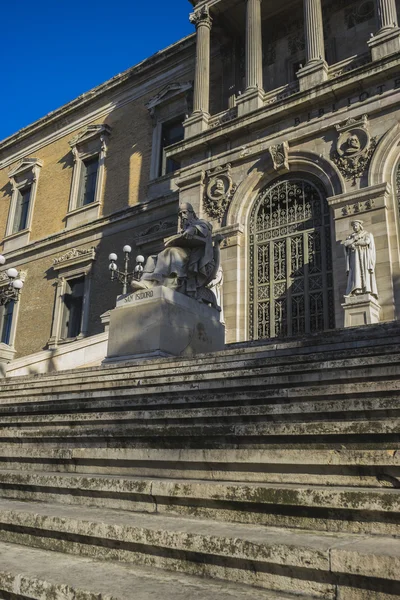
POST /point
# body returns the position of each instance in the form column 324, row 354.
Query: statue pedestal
column 359, row 310
column 161, row 322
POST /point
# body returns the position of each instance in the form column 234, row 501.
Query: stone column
column 387, row 14
column 387, row 39
column 254, row 73
column 253, row 95
column 316, row 69
column 201, row 100
column 314, row 31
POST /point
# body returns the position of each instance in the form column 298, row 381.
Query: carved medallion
column 219, row 192
column 354, row 148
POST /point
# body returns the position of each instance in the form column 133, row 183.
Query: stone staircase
column 269, row 471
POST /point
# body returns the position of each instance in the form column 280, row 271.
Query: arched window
column 291, row 282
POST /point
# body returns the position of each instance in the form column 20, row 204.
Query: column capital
column 201, row 17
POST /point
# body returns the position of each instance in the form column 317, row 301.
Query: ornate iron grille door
column 291, row 282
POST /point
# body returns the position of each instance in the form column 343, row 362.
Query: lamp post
column 124, row 276
column 10, row 292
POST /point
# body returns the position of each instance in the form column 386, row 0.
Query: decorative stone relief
column 359, row 13
column 354, row 148
column 199, row 15
column 296, row 43
column 280, row 156
column 358, row 207
column 218, row 192
column 160, row 226
column 75, row 255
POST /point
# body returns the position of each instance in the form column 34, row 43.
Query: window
column 6, row 318
column 24, row 181
column 89, row 149
column 171, row 133
column 167, row 110
column 73, row 308
column 21, row 209
column 87, row 186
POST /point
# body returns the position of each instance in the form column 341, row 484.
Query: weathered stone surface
column 275, row 465
column 160, row 321
column 42, row 575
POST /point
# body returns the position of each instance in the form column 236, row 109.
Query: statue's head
column 186, row 213
column 357, row 225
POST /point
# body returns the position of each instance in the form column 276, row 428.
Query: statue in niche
column 189, row 261
column 360, row 261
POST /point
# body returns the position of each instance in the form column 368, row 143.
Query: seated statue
column 189, row 261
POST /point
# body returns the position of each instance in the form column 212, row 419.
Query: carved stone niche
column 354, row 148
column 219, row 191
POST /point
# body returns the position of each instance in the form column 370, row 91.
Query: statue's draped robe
column 191, row 265
column 360, row 265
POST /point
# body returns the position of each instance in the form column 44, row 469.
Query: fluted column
column 254, row 72
column 314, row 31
column 315, row 70
column 201, row 99
column 387, row 14
column 387, row 39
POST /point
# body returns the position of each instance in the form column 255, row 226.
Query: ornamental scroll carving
column 354, row 148
column 202, row 15
column 75, row 255
column 219, row 192
column 279, row 155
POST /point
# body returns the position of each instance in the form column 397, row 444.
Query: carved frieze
column 354, row 148
column 358, row 207
column 219, row 191
column 74, row 255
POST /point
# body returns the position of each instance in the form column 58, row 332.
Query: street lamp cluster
column 125, row 276
column 11, row 291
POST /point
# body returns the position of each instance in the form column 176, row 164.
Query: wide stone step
column 316, row 410
column 41, row 574
column 267, row 376
column 382, row 338
column 212, row 392
column 328, row 467
column 283, row 560
column 243, row 433
column 207, row 367
column 342, row 466
column 322, row 508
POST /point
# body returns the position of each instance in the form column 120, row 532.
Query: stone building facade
column 277, row 121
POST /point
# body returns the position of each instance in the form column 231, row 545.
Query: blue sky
column 55, row 51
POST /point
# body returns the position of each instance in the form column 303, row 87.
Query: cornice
column 53, row 242
column 147, row 65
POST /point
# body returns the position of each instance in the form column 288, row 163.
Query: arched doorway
column 291, row 281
